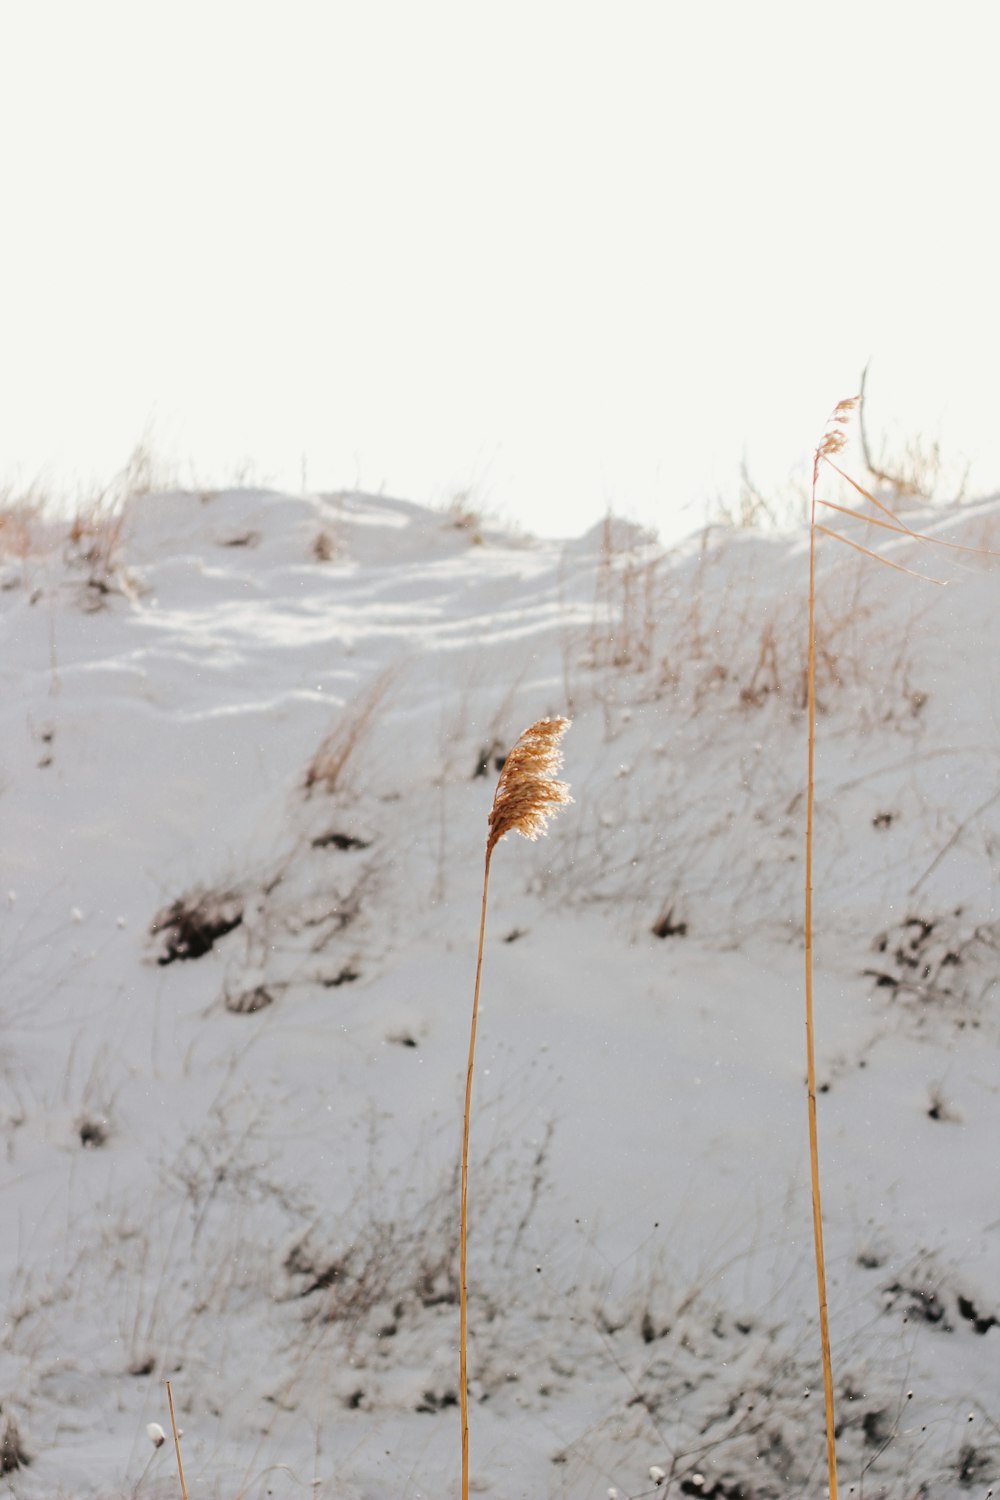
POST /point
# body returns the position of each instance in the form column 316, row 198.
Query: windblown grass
column 526, row 797
column 832, row 443
column 328, row 767
column 830, row 447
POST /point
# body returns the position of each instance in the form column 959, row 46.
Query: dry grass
column 95, row 540
column 464, row 515
column 756, row 510
column 22, row 522
column 882, row 517
column 625, row 609
column 94, row 545
column 89, row 532
column 324, row 546
column 916, row 469
column 32, row 526
column 177, row 1444
column 527, row 793
column 695, row 630
column 833, row 442
column 328, row 767
column 526, row 797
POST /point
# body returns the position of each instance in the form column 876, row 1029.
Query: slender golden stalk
column 527, row 795
column 177, row 1444
column 824, row 1323
column 832, row 444
column 464, row 1221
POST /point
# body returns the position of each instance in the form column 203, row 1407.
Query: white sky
column 567, row 254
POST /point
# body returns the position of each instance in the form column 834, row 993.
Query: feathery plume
column 527, row 794
column 835, row 436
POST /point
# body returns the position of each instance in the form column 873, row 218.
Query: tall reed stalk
column 832, row 444
column 527, row 795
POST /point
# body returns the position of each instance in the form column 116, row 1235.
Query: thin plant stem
column 177, row 1444
column 824, row 1323
column 526, row 797
column 832, row 443
column 464, row 1215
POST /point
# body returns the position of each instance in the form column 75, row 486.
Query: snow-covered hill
column 248, row 748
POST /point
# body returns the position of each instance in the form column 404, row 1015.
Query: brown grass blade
column 941, row 583
column 869, row 496
column 896, row 525
column 859, row 515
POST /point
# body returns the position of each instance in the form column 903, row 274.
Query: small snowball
column 656, row 1474
column 156, row 1434
column 76, row 914
column 121, row 921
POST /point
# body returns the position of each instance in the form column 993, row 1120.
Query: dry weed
column 625, row 612
column 526, row 797
column 831, row 444
column 324, row 546
column 28, row 528
column 337, row 749
column 828, row 451
column 917, row 470
column 464, row 515
column 93, row 544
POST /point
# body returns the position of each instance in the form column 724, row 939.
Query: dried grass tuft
column 835, row 437
column 326, row 770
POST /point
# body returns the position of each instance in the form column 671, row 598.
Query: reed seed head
column 528, row 794
column 835, row 436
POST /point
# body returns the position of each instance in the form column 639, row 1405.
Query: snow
column 243, row 842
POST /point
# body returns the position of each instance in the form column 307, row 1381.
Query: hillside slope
column 247, row 752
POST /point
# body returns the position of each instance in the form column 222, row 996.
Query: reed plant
column 526, row 797
column 833, row 441
column 881, row 516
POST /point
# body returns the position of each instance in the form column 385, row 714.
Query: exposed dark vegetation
column 193, row 924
